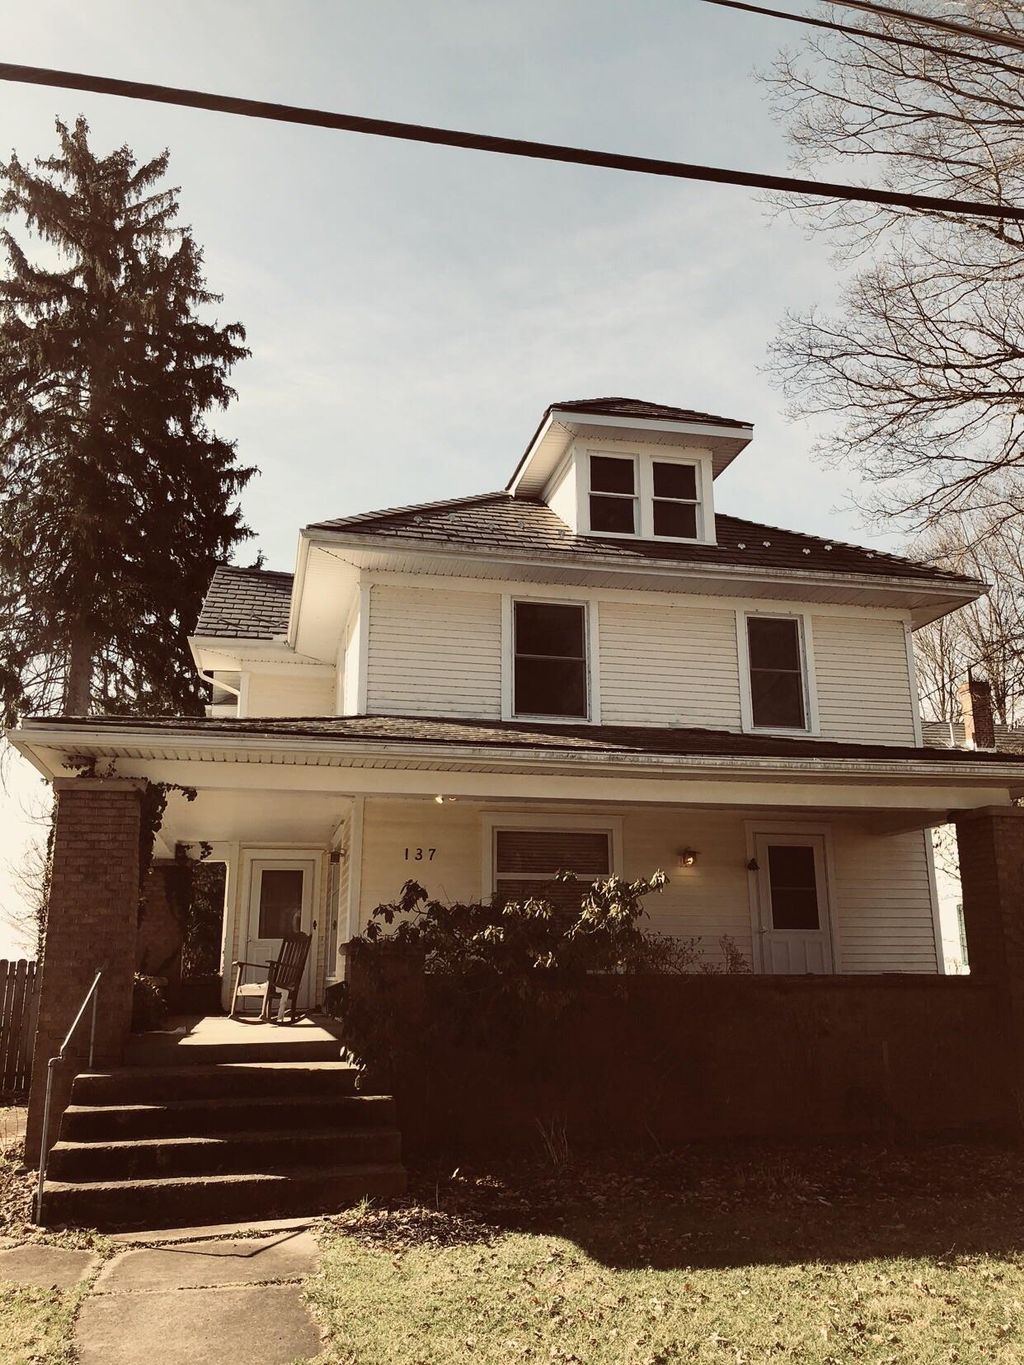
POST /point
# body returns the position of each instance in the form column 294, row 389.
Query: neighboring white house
column 592, row 669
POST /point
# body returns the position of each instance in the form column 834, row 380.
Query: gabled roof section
column 623, row 419
column 246, row 604
column 497, row 522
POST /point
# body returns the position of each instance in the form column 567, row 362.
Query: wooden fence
column 19, row 1003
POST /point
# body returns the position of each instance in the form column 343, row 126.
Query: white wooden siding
column 863, row 679
column 883, row 902
column 290, row 694
column 453, row 831
column 664, row 661
column 434, row 652
column 562, row 496
column 668, row 664
column 881, row 892
column 706, row 901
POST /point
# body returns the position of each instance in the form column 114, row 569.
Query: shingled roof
column 246, row 604
column 499, row 521
column 600, row 740
column 636, row 407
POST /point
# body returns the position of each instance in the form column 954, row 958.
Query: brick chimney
column 975, row 697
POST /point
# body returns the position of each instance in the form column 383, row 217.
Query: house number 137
column 420, row 855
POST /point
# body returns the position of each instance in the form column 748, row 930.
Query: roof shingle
column 636, row 407
column 246, row 604
column 496, row 521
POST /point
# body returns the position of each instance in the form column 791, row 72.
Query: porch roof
column 459, row 735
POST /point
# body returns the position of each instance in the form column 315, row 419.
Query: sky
column 413, row 310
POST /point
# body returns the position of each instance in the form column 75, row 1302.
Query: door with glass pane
column 793, row 905
column 280, row 902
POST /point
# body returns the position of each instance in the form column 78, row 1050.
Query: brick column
column 91, row 926
column 991, row 847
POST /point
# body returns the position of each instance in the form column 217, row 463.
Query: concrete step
column 200, row 1117
column 178, row 1201
column 138, row 1085
column 258, row 1151
column 154, row 1050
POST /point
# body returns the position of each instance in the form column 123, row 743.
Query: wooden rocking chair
column 283, row 978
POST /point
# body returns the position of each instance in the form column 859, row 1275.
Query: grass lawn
column 811, row 1255
column 36, row 1325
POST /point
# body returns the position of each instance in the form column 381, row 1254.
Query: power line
column 538, row 151
column 985, row 35
column 876, row 35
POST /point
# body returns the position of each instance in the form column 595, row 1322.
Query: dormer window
column 675, row 500
column 613, row 495
column 643, row 495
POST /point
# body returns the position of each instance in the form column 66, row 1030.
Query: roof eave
column 968, row 589
column 74, row 739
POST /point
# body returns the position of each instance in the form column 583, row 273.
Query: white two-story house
column 593, row 669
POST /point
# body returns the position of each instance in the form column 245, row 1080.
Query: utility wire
column 539, row 151
column 984, row 35
column 876, row 35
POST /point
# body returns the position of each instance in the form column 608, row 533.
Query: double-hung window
column 549, row 659
column 526, row 860
column 613, row 495
column 675, row 500
column 778, row 686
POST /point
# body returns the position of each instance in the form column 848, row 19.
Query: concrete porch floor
column 211, row 1038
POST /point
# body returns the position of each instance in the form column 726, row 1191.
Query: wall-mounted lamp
column 443, row 800
column 687, row 857
column 753, row 865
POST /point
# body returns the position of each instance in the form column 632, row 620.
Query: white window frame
column 508, row 662
column 546, row 820
column 812, row 725
column 644, row 458
column 636, row 497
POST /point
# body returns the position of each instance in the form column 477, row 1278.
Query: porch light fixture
column 687, row 857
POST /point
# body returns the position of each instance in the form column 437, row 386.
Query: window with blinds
column 526, row 860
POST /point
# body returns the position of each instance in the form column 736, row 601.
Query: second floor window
column 777, row 689
column 550, row 659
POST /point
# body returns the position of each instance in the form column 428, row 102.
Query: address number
column 420, row 855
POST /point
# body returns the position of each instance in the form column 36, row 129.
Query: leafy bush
column 513, row 940
column 149, row 1002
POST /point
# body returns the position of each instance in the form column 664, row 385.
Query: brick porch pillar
column 91, row 924
column 991, row 847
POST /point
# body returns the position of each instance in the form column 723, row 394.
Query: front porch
column 215, row 1039
column 315, row 833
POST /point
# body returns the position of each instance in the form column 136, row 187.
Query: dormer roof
column 623, row 419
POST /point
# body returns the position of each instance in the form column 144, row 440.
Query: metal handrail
column 93, row 994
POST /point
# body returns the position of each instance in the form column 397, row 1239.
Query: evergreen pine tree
column 116, row 498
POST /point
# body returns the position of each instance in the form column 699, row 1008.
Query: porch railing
column 93, row 995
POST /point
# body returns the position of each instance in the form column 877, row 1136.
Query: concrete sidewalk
column 183, row 1304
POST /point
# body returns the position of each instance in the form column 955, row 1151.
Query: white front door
column 793, row 905
column 280, row 902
